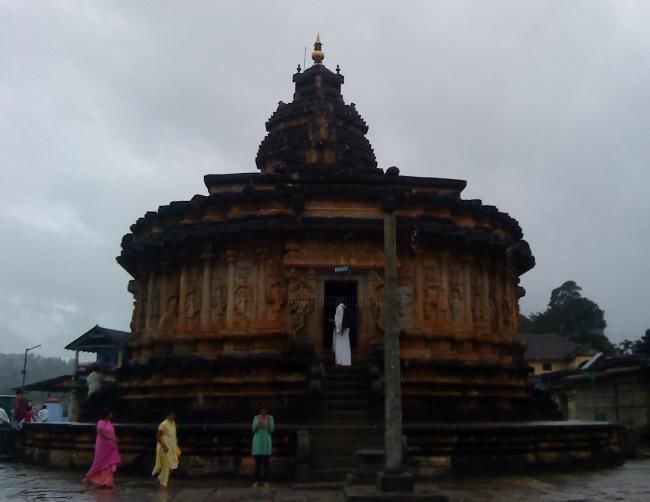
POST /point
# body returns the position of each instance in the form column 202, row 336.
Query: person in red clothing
column 29, row 415
column 21, row 406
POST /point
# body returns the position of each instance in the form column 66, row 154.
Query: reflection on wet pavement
column 630, row 482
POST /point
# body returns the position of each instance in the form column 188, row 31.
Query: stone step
column 334, row 379
column 345, row 384
column 352, row 443
column 347, row 461
column 330, row 474
column 329, row 450
column 333, row 420
column 345, row 394
column 342, row 370
column 350, row 414
column 324, row 486
column 346, row 404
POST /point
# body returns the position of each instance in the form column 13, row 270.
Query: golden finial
column 317, row 54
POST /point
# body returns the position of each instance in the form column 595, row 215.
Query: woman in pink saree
column 107, row 456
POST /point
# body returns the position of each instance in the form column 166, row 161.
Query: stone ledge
column 369, row 493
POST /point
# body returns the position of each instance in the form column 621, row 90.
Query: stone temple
column 233, row 293
column 233, row 290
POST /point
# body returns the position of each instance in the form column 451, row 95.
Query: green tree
column 574, row 316
column 626, row 347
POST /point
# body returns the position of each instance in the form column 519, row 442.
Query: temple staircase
column 349, row 421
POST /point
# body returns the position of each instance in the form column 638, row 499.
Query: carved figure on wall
column 168, row 318
column 405, row 307
column 276, row 298
column 406, row 269
column 155, row 307
column 376, row 305
column 494, row 312
column 243, row 300
column 322, row 128
column 191, row 308
column 506, row 312
column 433, row 305
column 456, row 274
column 456, row 304
column 477, row 299
column 218, row 296
column 301, row 302
column 134, row 289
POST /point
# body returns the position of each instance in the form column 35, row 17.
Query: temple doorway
column 334, row 291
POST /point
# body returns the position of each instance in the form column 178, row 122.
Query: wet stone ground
column 630, row 482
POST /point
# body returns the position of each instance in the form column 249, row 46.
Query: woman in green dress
column 263, row 427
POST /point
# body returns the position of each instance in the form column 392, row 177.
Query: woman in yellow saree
column 167, row 450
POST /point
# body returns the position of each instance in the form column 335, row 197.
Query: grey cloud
column 108, row 110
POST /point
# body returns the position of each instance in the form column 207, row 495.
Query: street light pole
column 24, row 372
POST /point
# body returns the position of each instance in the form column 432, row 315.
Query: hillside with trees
column 38, row 368
column 573, row 316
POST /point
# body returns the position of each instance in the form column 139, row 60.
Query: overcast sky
column 110, row 109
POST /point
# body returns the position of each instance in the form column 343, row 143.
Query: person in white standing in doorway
column 341, row 337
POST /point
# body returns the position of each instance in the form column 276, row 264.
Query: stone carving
column 494, row 309
column 478, row 313
column 276, row 289
column 168, row 318
column 155, row 306
column 434, row 308
column 243, row 295
column 506, row 312
column 405, row 305
column 219, row 297
column 456, row 304
column 377, row 299
column 135, row 317
column 433, row 305
column 192, row 308
column 456, row 295
column 276, row 298
column 301, row 301
column 243, row 300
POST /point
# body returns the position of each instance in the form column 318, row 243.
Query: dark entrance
column 336, row 291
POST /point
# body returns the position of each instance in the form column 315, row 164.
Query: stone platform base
column 511, row 447
column 433, row 449
column 208, row 449
column 369, row 493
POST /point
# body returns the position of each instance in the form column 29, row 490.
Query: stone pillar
column 182, row 291
column 498, row 291
column 231, row 258
column 393, row 400
column 135, row 290
column 392, row 478
column 207, row 257
column 511, row 300
column 260, row 293
column 485, row 297
column 444, row 284
column 419, row 288
column 150, row 286
column 74, row 404
column 468, row 318
column 164, row 271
